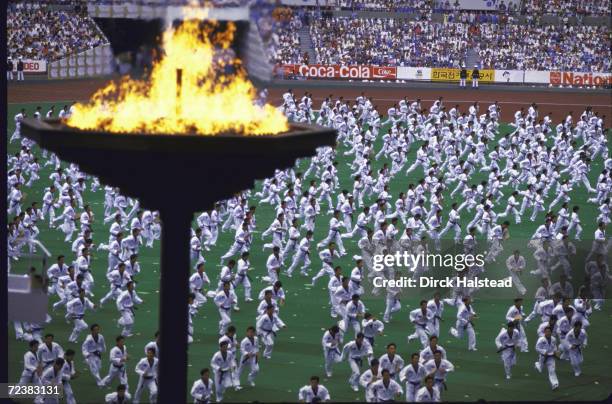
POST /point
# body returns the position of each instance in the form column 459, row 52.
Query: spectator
column 501, row 43
column 9, row 69
column 40, row 31
column 567, row 7
column 20, row 69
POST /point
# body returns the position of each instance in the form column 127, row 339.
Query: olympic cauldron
column 177, row 174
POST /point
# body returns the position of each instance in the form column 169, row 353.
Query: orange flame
column 207, row 101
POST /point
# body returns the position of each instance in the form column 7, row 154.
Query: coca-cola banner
column 361, row 72
column 376, row 73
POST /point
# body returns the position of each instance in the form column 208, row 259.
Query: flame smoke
column 208, row 102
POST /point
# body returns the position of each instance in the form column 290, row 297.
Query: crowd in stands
column 535, row 47
column 397, row 5
column 284, row 43
column 387, row 42
column 480, row 17
column 41, row 31
column 279, row 28
column 409, row 6
column 204, row 3
column 567, row 7
column 402, row 42
column 526, row 7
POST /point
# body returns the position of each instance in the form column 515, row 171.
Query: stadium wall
column 463, row 4
column 368, row 72
column 93, row 62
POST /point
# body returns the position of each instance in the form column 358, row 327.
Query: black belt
column 504, row 348
column 359, row 361
column 547, row 357
column 268, row 332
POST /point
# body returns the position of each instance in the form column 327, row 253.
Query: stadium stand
column 567, row 7
column 50, row 32
column 572, row 48
column 509, row 45
column 409, row 6
column 284, row 42
column 388, row 42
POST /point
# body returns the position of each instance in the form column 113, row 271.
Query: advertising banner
column 341, row 72
column 414, row 73
column 509, row 76
column 32, row 66
column 536, row 76
column 441, row 74
column 580, row 79
column 451, row 74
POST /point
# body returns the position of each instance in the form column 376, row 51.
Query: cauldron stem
column 174, row 289
column 179, row 85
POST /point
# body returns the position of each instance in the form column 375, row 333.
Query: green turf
column 297, row 353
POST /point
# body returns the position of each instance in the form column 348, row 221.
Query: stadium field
column 298, row 353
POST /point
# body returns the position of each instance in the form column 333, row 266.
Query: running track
column 557, row 102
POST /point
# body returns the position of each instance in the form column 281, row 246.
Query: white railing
column 97, row 61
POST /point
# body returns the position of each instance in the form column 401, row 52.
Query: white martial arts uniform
column 125, row 304
column 225, row 301
column 574, row 345
column 355, row 353
column 386, row 392
column 506, row 345
column 147, row 378
column 331, row 349
column 422, row 325
column 92, row 350
column 75, row 311
column 412, row 375
column 249, row 349
column 439, row 370
column 464, row 324
column 202, row 392
column 426, row 396
column 266, row 330
column 222, row 366
column 546, row 349
column 116, row 367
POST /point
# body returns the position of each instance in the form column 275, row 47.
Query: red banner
column 580, row 79
column 361, row 72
